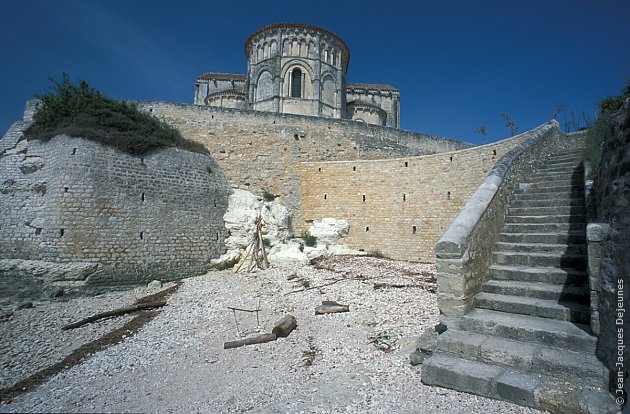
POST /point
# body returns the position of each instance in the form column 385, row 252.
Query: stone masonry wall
column 398, row 207
column 71, row 200
column 262, row 151
column 611, row 196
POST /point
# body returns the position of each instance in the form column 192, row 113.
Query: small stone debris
column 328, row 306
column 385, row 341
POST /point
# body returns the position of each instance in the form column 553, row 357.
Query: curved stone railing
column 464, row 253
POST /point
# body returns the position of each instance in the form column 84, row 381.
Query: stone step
column 570, row 184
column 531, row 226
column 577, row 155
column 567, row 238
column 526, row 328
column 538, row 290
column 556, row 178
column 578, row 222
column 532, row 390
column 522, row 356
column 558, row 173
column 551, row 275
column 557, row 248
column 562, row 260
column 551, row 187
column 547, row 196
column 547, row 202
column 575, row 159
column 542, row 211
column 541, row 308
column 567, row 191
column 568, row 169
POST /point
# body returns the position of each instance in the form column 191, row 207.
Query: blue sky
column 458, row 64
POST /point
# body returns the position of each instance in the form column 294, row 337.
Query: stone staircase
column 528, row 338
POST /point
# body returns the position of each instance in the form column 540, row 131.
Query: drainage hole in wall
column 414, row 229
column 141, row 235
column 62, row 232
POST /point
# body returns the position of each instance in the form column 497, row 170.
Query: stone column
column 596, row 235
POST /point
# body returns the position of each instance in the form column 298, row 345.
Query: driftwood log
column 384, row 285
column 284, row 326
column 115, row 312
column 328, row 306
column 260, row 339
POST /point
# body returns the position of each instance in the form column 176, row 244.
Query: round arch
column 288, row 79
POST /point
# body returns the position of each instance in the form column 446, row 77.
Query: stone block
column 460, row 374
column 518, row 388
column 597, row 232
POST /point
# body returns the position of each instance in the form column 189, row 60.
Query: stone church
column 299, row 69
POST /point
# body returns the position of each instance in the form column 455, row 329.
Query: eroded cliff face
column 611, row 194
column 104, row 217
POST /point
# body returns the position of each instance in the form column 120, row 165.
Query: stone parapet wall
column 398, row 207
column 464, row 252
column 71, row 200
column 261, row 151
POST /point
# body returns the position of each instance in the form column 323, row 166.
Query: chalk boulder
column 329, row 231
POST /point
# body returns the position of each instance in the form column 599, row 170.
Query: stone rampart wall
column 261, row 151
column 157, row 216
column 398, row 207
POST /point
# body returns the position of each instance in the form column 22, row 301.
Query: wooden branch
column 243, row 310
column 382, row 285
column 284, row 326
column 115, row 312
column 260, row 339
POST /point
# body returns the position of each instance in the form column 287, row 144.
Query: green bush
column 82, row 111
column 376, row 253
column 309, row 241
column 597, row 132
column 267, row 196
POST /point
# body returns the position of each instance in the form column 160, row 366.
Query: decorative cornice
column 299, row 26
column 376, row 86
column 223, row 76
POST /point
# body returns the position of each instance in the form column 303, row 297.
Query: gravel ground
column 176, row 362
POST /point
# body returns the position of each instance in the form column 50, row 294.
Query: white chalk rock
column 329, row 231
column 313, row 252
column 240, row 218
column 284, row 254
column 278, row 221
column 342, row 249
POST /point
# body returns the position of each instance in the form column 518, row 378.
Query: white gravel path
column 176, row 363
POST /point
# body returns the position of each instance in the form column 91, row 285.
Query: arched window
column 296, row 83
